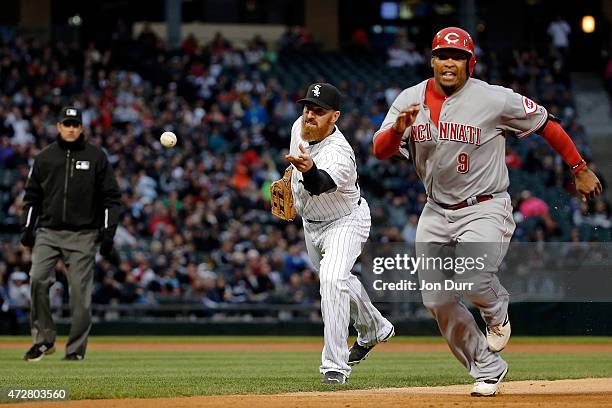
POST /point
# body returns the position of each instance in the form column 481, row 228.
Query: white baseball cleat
column 488, row 388
column 498, row 336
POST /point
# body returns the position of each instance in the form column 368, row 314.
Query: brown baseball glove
column 281, row 197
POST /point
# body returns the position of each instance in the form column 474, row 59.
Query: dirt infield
column 595, row 392
column 313, row 346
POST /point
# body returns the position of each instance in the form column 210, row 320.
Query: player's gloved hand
column 587, row 183
column 28, row 238
column 106, row 247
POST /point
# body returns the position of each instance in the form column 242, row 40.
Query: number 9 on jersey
column 463, row 161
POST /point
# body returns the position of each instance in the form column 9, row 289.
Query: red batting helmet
column 455, row 37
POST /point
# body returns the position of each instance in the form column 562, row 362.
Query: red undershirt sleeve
column 387, row 143
column 556, row 137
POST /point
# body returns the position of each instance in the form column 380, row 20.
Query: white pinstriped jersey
column 465, row 155
column 334, row 155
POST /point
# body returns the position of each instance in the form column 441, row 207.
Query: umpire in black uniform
column 71, row 199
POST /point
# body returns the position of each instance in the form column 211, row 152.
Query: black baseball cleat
column 74, row 357
column 334, row 377
column 38, row 351
column 358, row 353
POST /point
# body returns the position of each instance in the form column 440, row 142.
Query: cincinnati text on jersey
column 459, row 132
column 453, row 132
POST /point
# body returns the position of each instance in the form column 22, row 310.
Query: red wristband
column 578, row 166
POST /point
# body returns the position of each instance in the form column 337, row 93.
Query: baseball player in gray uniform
column 453, row 127
column 336, row 223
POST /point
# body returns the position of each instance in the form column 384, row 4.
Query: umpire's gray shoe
column 358, row 353
column 334, row 377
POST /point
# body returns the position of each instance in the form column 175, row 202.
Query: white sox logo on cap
column 71, row 112
column 451, row 38
column 316, row 90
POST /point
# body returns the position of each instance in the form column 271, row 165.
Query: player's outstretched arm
column 406, row 118
column 387, row 142
column 315, row 181
column 587, row 183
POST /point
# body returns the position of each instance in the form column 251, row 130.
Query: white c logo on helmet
column 452, row 38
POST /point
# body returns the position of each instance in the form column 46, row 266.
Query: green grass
column 114, row 374
column 309, row 339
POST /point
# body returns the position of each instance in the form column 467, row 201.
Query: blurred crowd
column 196, row 226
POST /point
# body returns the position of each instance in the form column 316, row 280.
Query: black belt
column 466, row 203
column 316, row 222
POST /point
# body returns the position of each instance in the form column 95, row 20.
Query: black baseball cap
column 324, row 95
column 70, row 113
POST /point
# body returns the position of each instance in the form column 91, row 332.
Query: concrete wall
column 35, row 18
column 238, row 34
column 321, row 19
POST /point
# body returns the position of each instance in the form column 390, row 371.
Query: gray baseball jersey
column 334, row 155
column 465, row 155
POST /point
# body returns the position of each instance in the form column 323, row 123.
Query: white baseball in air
column 168, row 139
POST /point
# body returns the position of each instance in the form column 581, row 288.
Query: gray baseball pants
column 77, row 249
column 484, row 229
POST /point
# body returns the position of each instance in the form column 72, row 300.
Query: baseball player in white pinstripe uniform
column 336, row 225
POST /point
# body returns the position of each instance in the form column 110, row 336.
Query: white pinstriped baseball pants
column 333, row 248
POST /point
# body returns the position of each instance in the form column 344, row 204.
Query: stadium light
column 75, row 20
column 588, row 24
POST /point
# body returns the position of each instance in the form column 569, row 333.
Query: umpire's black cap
column 72, row 114
column 324, row 95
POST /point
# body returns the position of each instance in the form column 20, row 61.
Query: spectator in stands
column 559, row 31
column 219, row 45
column 397, row 55
column 360, row 41
column 19, row 290
column 8, row 317
column 601, row 215
column 409, row 231
column 534, row 207
column 190, row 45
column 531, row 206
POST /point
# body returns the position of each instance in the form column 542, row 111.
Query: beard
column 314, row 134
column 448, row 89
